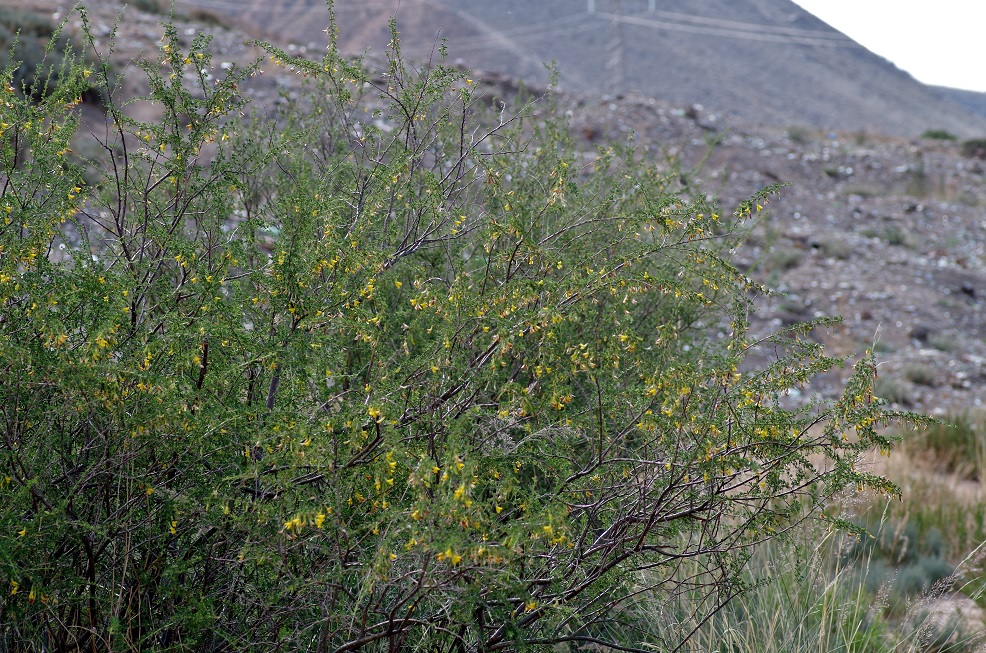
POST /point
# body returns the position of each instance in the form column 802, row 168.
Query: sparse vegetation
column 899, row 557
column 893, row 391
column 942, row 341
column 836, row 248
column 894, row 235
column 784, row 258
column 920, row 374
column 974, row 148
column 883, row 347
column 205, row 17
column 891, row 234
column 150, row 6
column 918, row 183
column 799, row 134
column 957, row 446
column 939, row 135
column 818, row 591
column 42, row 54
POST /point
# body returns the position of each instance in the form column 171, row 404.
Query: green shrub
column 388, row 371
column 893, row 391
column 41, row 53
column 939, row 135
column 903, row 559
column 799, row 134
column 920, row 374
column 784, row 258
column 957, row 446
column 206, row 17
column 834, row 248
column 150, row 6
column 974, row 148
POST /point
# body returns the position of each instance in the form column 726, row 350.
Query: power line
column 539, row 30
column 751, row 27
column 764, row 35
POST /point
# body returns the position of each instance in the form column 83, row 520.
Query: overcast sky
column 939, row 42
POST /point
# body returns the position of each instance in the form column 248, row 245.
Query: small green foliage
column 942, row 341
column 892, row 235
column 834, row 248
column 784, row 258
column 150, row 6
column 957, row 446
column 974, row 148
column 920, row 374
column 799, row 134
column 40, row 54
column 902, row 560
column 205, row 17
column 939, row 135
column 893, row 391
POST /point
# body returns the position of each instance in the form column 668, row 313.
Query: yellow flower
column 450, row 555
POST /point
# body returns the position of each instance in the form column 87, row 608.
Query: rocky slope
column 888, row 232
column 761, row 61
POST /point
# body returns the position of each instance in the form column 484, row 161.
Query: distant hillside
column 763, row 61
column 971, row 100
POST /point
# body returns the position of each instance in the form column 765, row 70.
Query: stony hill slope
column 889, row 232
column 763, row 61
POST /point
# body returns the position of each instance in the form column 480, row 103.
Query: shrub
column 39, row 49
column 206, row 17
column 834, row 248
column 903, row 559
column 920, row 374
column 939, row 135
column 974, row 148
column 893, row 391
column 387, row 372
column 958, row 446
column 150, row 6
column 799, row 134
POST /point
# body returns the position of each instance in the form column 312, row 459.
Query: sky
column 938, row 42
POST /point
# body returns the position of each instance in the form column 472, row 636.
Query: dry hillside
column 766, row 62
column 886, row 231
